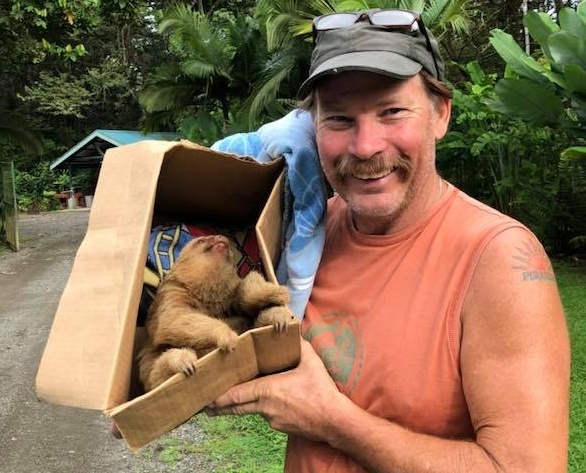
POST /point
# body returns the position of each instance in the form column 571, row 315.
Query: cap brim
column 379, row 62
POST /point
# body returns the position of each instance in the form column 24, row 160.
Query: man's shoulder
column 476, row 207
column 508, row 251
column 471, row 214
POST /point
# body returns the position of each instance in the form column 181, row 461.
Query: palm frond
column 267, row 88
column 157, row 121
column 441, row 15
column 168, row 89
column 288, row 19
column 199, row 69
column 355, row 5
column 192, row 35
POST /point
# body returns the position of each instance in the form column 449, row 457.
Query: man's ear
column 443, row 112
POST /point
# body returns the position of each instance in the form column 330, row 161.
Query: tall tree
column 69, row 96
column 68, row 67
column 213, row 60
column 229, row 72
column 288, row 31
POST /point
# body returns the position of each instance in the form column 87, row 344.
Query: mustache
column 377, row 165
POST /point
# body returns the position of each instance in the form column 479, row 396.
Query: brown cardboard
column 88, row 358
column 258, row 352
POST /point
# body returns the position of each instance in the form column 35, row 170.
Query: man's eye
column 338, row 119
column 389, row 112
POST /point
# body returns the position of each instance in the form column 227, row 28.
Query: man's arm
column 515, row 357
column 515, row 371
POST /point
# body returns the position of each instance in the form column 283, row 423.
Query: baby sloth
column 202, row 304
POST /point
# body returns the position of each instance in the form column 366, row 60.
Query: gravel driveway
column 36, row 437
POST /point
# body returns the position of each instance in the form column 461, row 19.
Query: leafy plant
column 503, row 161
column 288, row 34
column 36, row 188
column 551, row 88
column 13, row 128
column 210, row 71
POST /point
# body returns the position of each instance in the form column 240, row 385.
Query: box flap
column 268, row 229
column 105, row 282
column 258, row 351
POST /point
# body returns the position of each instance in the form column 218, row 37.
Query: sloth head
column 214, row 248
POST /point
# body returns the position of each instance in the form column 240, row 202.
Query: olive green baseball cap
column 371, row 48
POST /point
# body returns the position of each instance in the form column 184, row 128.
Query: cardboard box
column 88, row 359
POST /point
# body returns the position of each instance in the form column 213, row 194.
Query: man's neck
column 403, row 217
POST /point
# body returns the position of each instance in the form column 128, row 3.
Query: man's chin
column 371, row 207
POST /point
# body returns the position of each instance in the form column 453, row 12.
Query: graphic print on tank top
column 338, row 342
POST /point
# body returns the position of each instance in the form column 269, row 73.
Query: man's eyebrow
column 336, row 104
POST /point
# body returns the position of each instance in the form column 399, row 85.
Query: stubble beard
column 375, row 167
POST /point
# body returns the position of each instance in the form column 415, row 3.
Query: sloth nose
column 219, row 239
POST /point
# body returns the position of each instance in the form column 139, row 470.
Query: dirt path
column 36, row 437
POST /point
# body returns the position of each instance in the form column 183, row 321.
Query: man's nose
column 368, row 139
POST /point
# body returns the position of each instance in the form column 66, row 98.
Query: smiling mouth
column 374, row 176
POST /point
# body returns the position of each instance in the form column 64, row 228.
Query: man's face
column 376, row 141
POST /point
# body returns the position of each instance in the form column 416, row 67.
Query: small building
column 88, row 155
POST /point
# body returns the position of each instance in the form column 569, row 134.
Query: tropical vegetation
column 209, row 68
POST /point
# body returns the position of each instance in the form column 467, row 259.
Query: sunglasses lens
column 334, row 21
column 391, row 19
column 394, row 18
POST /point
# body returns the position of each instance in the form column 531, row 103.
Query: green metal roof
column 89, row 152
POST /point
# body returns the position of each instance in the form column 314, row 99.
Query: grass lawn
column 572, row 282
column 242, row 444
column 245, row 444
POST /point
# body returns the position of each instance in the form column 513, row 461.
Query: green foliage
column 107, row 87
column 551, row 88
column 41, row 19
column 505, row 162
column 534, row 103
column 13, row 129
column 288, row 35
column 572, row 280
column 36, row 187
column 67, row 67
column 231, row 72
column 200, row 88
column 62, row 96
column 571, row 224
column 242, row 444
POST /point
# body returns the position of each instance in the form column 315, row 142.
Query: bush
column 36, row 187
column 507, row 163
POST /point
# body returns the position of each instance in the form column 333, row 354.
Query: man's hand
column 294, row 402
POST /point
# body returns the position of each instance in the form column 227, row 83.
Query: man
column 436, row 336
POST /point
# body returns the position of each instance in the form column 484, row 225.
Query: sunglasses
column 402, row 20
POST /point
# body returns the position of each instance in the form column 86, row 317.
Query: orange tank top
column 384, row 316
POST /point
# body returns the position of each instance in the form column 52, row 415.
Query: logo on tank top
column 338, row 343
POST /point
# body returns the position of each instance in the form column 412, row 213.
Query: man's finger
column 115, row 431
column 241, row 394
column 235, row 409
